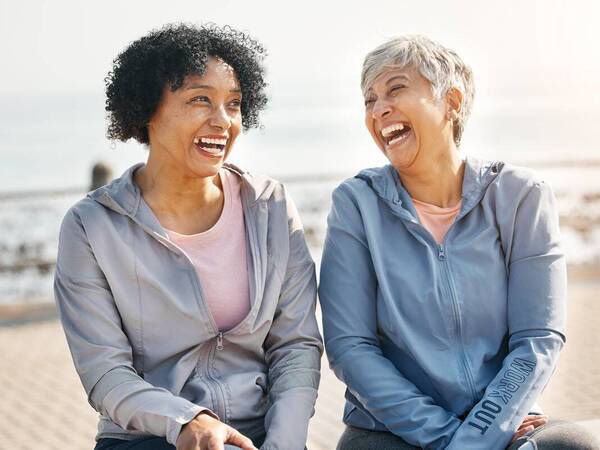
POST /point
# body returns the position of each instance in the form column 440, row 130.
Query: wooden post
column 101, row 175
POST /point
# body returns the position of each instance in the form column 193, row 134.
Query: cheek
column 167, row 129
column 434, row 111
column 197, row 116
column 180, row 120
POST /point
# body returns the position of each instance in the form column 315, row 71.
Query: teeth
column 214, row 141
column 196, row 140
column 389, row 130
column 398, row 139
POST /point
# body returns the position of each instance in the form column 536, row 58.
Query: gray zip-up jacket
column 446, row 345
column 144, row 343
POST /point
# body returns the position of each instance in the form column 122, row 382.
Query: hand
column 207, row 433
column 529, row 424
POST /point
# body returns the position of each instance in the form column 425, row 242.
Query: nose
column 219, row 118
column 381, row 109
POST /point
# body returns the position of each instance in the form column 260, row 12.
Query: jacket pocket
column 348, row 410
column 247, row 395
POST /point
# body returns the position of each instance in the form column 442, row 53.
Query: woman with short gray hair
column 443, row 282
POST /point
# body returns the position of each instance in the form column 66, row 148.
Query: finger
column 521, row 432
column 537, row 423
column 527, row 429
column 237, row 438
column 534, row 418
column 517, row 435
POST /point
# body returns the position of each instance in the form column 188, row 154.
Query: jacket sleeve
column 348, row 295
column 536, row 322
column 101, row 349
column 293, row 347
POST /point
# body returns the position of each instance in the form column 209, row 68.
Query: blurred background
column 536, row 66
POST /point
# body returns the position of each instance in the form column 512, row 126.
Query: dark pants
column 149, row 443
column 556, row 435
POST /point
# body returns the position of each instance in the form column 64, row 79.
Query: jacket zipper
column 221, row 405
column 442, row 256
column 441, row 250
column 220, row 341
column 217, row 388
column 216, row 385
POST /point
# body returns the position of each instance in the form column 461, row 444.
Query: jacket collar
column 387, row 184
column 123, row 196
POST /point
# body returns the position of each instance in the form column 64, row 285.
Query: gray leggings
column 556, row 435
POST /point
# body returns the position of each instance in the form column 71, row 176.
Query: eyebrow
column 206, row 86
column 395, row 77
column 402, row 77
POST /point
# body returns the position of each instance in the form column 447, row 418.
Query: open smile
column 395, row 133
column 212, row 145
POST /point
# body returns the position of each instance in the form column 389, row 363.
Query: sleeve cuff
column 175, row 424
column 287, row 419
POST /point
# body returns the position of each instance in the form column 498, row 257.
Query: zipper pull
column 220, row 341
column 441, row 253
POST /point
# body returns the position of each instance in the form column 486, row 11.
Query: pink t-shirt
column 435, row 219
column 219, row 256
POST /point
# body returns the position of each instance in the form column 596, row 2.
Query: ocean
column 49, row 144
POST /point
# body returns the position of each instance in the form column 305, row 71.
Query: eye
column 235, row 104
column 396, row 88
column 369, row 101
column 199, row 99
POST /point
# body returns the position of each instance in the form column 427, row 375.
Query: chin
column 206, row 170
column 401, row 159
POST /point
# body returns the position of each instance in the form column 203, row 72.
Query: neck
column 438, row 181
column 167, row 188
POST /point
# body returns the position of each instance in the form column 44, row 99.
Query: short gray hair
column 441, row 66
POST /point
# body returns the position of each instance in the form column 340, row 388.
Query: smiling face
column 408, row 123
column 195, row 126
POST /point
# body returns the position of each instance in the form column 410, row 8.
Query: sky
column 58, row 46
column 527, row 56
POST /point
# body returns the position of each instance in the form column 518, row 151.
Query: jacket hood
column 123, row 196
column 386, row 183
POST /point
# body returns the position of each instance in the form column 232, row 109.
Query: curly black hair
column 164, row 57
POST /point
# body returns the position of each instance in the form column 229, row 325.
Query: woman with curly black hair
column 185, row 287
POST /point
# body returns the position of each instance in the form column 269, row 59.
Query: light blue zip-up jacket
column 144, row 343
column 447, row 346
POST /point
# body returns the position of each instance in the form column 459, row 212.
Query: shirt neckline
column 215, row 230
column 428, row 208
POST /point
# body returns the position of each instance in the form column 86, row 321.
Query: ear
column 454, row 99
